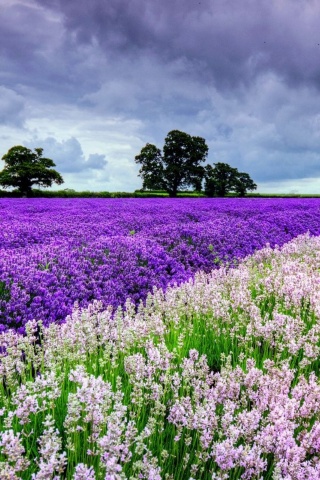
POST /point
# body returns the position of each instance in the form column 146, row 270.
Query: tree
column 152, row 170
column 243, row 183
column 222, row 179
column 210, row 184
column 219, row 180
column 24, row 168
column 177, row 167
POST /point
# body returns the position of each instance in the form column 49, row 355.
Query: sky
column 92, row 81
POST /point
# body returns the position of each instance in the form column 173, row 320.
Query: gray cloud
column 96, row 161
column 68, row 155
column 244, row 75
column 231, row 42
column 12, row 107
column 38, row 57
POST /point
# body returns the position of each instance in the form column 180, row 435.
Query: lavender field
column 55, row 252
column 160, row 339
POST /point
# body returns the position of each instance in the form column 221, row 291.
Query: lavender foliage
column 55, row 252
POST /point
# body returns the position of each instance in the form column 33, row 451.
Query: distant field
column 69, row 193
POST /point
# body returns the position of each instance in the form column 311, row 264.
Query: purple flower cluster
column 55, row 252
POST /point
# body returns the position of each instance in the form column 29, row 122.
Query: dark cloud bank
column 243, row 74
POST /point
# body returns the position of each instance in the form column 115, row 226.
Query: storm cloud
column 99, row 79
column 68, row 155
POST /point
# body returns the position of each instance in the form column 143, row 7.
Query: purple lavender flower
column 55, row 252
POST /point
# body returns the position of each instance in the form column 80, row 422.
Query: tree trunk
column 173, row 193
column 25, row 190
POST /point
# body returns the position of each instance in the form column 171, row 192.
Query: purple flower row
column 55, row 252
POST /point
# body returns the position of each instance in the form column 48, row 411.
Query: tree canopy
column 177, row 167
column 25, row 168
column 222, row 179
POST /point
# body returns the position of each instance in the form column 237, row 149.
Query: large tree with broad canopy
column 25, row 168
column 178, row 167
